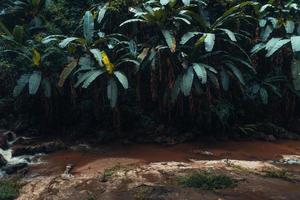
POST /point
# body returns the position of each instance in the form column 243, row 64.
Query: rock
column 10, row 136
column 48, row 147
column 3, row 162
column 13, row 168
column 3, row 141
column 269, row 138
column 23, row 141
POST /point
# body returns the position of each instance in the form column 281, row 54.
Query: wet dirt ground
column 44, row 181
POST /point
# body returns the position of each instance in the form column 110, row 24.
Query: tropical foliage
column 208, row 65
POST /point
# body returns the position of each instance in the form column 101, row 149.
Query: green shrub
column 206, row 181
column 9, row 190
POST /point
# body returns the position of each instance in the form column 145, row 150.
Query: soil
column 148, row 171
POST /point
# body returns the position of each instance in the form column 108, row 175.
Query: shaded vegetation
column 194, row 66
column 9, row 189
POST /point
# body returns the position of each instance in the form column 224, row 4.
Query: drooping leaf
column 236, row 72
column 182, row 19
column 88, row 26
column 213, row 78
column 97, row 55
column 289, row 26
column 273, row 21
column 176, row 88
column 51, row 38
column 258, row 47
column 263, row 95
column 133, row 47
column 67, row 41
column 132, row 20
column 271, row 43
column 83, row 76
column 66, row 72
column 122, row 79
column 200, row 72
column 85, row 63
column 295, row 40
column 46, row 87
column 34, row 82
column 170, row 39
column 224, row 79
column 242, row 61
column 101, row 13
column 92, row 77
column 266, row 32
column 187, row 81
column 164, row 2
column 186, row 2
column 112, row 92
column 21, row 83
column 277, row 46
column 186, row 37
column 209, row 41
column 230, row 34
column 210, row 68
column 36, row 57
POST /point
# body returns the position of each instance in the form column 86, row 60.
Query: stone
column 270, row 138
column 47, row 147
column 13, row 168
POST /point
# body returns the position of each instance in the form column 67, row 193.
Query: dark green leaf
column 21, row 83
column 187, row 81
column 170, row 39
column 92, row 77
column 112, row 92
column 34, row 82
column 88, row 26
column 122, row 79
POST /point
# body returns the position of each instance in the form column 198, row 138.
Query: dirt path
column 150, row 172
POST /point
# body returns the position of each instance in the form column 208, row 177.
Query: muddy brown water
column 105, row 156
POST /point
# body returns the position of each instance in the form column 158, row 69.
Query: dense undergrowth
column 208, row 66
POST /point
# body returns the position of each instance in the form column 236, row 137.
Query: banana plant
column 263, row 89
column 166, row 17
column 200, row 50
column 34, row 77
column 102, row 56
column 33, row 71
column 280, row 28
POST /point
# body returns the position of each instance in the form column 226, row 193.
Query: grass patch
column 278, row 173
column 9, row 190
column 109, row 172
column 206, row 181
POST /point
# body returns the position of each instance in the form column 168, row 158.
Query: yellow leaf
column 36, row 57
column 108, row 65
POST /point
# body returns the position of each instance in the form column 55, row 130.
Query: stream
column 154, row 165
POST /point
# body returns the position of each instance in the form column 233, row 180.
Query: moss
column 9, row 190
column 206, row 180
